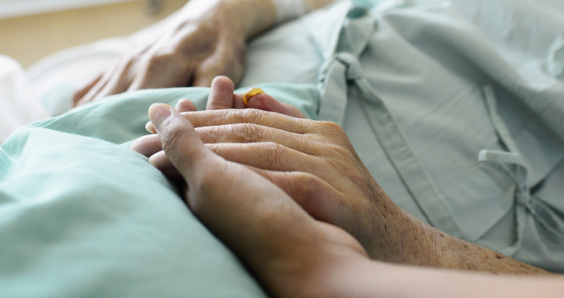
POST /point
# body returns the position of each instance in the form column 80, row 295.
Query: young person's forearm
column 458, row 254
column 348, row 275
column 376, row 279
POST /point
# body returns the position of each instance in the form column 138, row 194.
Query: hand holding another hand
column 277, row 189
column 292, row 254
column 311, row 161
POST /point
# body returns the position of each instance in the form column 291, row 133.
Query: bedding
column 81, row 215
column 455, row 107
column 19, row 103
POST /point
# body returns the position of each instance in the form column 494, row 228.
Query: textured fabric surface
column 440, row 68
column 19, row 104
column 81, row 215
column 431, row 63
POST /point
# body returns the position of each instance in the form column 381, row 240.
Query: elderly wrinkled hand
column 312, row 161
column 282, row 245
column 205, row 39
column 315, row 164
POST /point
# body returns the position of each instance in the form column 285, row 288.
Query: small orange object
column 250, row 93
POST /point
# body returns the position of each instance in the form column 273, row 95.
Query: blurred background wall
column 30, row 31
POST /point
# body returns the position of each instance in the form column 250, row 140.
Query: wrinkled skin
column 290, row 252
column 315, row 164
column 205, row 39
column 255, row 218
column 312, row 161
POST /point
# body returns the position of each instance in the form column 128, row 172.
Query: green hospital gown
column 455, row 107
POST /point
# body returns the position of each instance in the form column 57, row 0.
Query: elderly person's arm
column 206, row 38
column 315, row 164
column 291, row 252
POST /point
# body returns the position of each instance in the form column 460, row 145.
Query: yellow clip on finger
column 252, row 92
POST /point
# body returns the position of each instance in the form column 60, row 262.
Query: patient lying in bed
column 95, row 208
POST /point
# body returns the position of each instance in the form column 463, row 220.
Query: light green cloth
column 424, row 88
column 81, row 215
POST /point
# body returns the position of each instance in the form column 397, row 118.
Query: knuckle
column 272, row 156
column 171, row 137
column 315, row 195
column 252, row 115
column 333, row 132
column 208, row 135
column 160, row 58
column 251, row 133
column 340, row 151
column 205, row 119
column 333, row 128
column 327, row 124
column 307, row 182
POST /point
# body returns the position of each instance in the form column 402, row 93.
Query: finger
column 160, row 161
column 238, row 102
column 267, row 156
column 252, row 216
column 93, row 92
column 254, row 116
column 114, row 81
column 317, row 197
column 293, row 111
column 275, row 157
column 120, row 80
column 220, row 190
column 82, row 92
column 203, row 81
column 181, row 143
column 266, row 102
column 236, row 133
column 147, row 145
column 221, row 94
column 252, row 133
column 185, row 105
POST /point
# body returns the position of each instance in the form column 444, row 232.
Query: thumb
column 179, row 140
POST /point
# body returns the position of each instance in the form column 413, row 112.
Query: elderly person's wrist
column 242, row 17
column 251, row 17
column 409, row 241
column 395, row 236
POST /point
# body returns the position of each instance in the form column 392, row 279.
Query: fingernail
column 150, row 128
column 158, row 112
column 153, row 160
